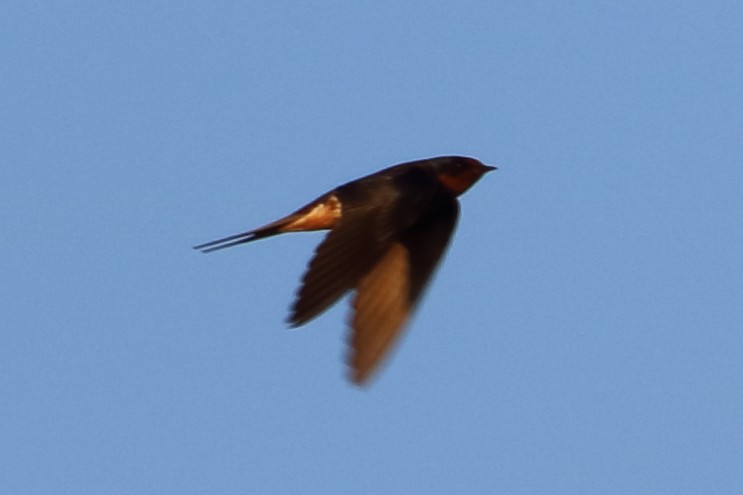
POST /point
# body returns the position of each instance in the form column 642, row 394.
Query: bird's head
column 459, row 173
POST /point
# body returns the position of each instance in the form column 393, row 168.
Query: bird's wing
column 389, row 292
column 374, row 211
column 348, row 251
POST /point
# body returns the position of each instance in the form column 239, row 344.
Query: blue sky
column 582, row 336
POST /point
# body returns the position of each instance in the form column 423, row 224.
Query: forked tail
column 242, row 238
column 321, row 214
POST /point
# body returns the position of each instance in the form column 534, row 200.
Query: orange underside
column 457, row 184
column 321, row 216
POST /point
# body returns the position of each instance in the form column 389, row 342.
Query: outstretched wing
column 388, row 293
column 374, row 211
column 348, row 251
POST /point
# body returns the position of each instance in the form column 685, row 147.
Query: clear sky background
column 584, row 334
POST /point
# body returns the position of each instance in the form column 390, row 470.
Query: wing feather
column 374, row 212
column 386, row 296
column 348, row 251
column 380, row 308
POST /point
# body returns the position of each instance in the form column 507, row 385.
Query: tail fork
column 234, row 240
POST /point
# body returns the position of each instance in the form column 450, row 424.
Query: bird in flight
column 388, row 231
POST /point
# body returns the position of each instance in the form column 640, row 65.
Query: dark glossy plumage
column 388, row 231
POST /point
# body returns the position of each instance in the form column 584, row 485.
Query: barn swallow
column 388, row 231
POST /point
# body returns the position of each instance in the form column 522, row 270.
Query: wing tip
column 360, row 378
